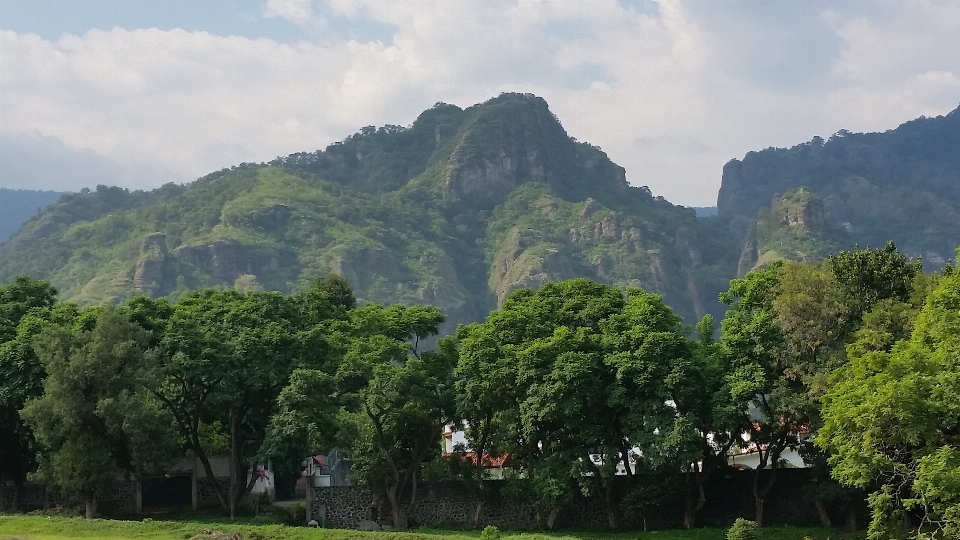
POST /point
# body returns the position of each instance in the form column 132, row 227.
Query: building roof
column 488, row 461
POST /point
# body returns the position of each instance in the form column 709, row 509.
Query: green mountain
column 901, row 185
column 457, row 210
column 795, row 228
column 18, row 205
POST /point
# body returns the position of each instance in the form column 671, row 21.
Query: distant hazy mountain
column 18, row 205
column 457, row 210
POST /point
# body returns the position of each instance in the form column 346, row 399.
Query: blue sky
column 141, row 92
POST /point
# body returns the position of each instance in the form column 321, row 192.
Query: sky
column 138, row 93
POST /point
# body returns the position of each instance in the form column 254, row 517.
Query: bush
column 490, row 533
column 744, row 529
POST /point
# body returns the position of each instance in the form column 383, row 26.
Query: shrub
column 744, row 529
column 490, row 532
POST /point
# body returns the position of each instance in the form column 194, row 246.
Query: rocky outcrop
column 513, row 139
column 519, row 265
column 148, row 276
column 246, row 283
column 801, row 208
column 227, row 259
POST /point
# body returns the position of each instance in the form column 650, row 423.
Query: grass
column 38, row 527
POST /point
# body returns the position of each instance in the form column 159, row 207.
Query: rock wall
column 452, row 504
column 121, row 499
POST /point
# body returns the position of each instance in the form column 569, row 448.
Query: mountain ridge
column 456, row 210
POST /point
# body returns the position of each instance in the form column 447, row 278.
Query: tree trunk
column 552, row 518
column 477, row 512
column 89, row 504
column 689, row 513
column 850, row 524
column 822, row 512
column 760, row 493
column 396, row 511
column 234, row 452
column 611, row 506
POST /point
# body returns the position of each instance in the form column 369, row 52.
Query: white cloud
column 670, row 93
column 297, row 11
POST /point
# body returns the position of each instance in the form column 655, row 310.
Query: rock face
column 490, row 162
column 227, row 259
column 148, row 276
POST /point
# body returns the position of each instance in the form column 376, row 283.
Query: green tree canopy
column 891, row 416
column 94, row 418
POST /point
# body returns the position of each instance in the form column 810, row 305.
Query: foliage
column 783, row 335
column 223, row 359
column 400, row 397
column 26, row 308
column 891, row 417
column 711, row 419
column 565, row 380
column 743, row 529
column 490, row 532
column 868, row 276
column 94, row 418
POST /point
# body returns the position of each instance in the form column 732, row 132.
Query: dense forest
column 853, row 361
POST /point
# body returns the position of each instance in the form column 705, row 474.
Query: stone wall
column 121, row 499
column 729, row 496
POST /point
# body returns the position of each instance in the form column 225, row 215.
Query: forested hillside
column 17, row 205
column 456, row 210
column 466, row 205
column 901, row 185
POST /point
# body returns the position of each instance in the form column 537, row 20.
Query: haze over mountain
column 17, row 205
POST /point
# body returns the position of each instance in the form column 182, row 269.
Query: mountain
column 17, row 205
column 456, row 210
column 901, row 185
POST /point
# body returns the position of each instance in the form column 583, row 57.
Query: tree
column 26, row 308
column 586, row 363
column 783, row 334
column 867, row 276
column 222, row 361
column 399, row 397
column 94, row 418
column 699, row 388
column 891, row 417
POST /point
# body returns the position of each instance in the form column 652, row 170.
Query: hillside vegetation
column 466, row 205
column 456, row 210
column 901, row 185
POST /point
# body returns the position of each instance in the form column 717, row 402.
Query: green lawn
column 35, row 527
